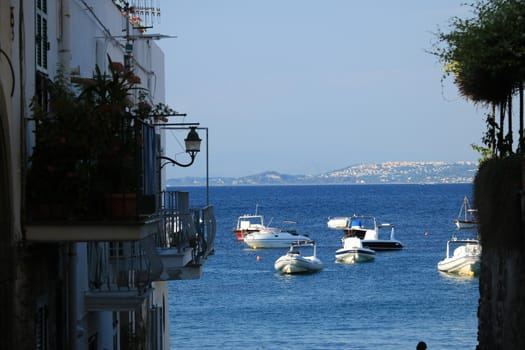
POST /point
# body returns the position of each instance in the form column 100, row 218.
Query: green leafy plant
column 484, row 55
column 89, row 139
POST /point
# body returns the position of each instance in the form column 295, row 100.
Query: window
column 41, row 328
column 116, row 249
column 41, row 38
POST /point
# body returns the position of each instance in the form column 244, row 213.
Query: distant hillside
column 375, row 173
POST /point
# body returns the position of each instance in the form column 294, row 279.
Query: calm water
column 392, row 303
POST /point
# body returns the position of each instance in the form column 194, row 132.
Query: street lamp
column 192, row 143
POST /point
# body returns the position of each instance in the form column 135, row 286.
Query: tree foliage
column 485, row 56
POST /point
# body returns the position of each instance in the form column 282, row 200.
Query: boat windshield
column 354, row 232
column 248, row 221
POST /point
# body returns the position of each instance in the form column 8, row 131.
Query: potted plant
column 88, row 144
column 62, row 160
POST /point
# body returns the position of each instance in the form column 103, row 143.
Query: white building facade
column 85, row 260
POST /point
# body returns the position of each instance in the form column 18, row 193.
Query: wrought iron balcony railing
column 120, row 274
column 181, row 242
column 122, row 266
column 185, row 237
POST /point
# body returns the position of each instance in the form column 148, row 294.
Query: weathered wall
column 498, row 197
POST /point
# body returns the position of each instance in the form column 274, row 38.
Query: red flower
column 117, row 67
column 134, row 79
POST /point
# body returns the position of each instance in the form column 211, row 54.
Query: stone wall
column 498, row 197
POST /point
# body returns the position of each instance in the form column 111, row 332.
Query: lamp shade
column 192, row 142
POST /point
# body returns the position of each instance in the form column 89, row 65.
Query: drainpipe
column 72, row 295
column 64, row 59
column 64, row 44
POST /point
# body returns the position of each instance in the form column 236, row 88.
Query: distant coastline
column 372, row 173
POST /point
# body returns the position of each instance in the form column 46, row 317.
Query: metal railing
column 181, row 227
column 121, row 266
column 133, row 265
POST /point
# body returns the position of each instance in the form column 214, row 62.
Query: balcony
column 120, row 216
column 96, row 202
column 92, row 174
column 120, row 274
column 186, row 237
column 123, row 217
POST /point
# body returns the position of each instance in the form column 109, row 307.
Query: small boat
column 338, row 223
column 467, row 216
column 365, row 227
column 353, row 251
column 295, row 262
column 465, row 258
column 272, row 237
column 248, row 223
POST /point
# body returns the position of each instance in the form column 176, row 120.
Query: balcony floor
column 178, row 264
column 116, row 300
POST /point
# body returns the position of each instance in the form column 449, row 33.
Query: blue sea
column 241, row 302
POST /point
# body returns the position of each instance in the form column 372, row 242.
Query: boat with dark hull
column 371, row 234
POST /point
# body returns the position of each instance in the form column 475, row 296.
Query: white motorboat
column 271, row 237
column 248, row 223
column 295, row 262
column 353, row 251
column 467, row 216
column 338, row 223
column 365, row 227
column 465, row 258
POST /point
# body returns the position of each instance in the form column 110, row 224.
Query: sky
column 309, row 86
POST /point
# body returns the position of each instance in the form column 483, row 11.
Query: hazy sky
column 310, row 86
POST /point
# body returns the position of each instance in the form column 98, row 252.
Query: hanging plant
column 89, row 140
